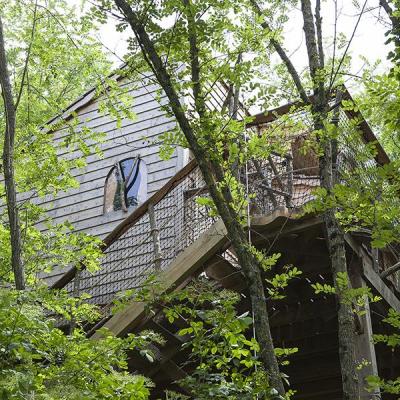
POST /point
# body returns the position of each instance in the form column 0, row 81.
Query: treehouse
column 145, row 211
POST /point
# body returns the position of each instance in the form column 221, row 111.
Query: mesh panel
column 129, row 260
column 286, row 179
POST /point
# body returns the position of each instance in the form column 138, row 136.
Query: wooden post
column 155, row 233
column 75, row 293
column 365, row 349
column 375, row 259
column 276, row 172
column 265, row 184
column 289, row 171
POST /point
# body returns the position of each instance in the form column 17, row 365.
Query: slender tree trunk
column 8, row 167
column 251, row 269
column 334, row 233
column 213, row 173
column 346, row 322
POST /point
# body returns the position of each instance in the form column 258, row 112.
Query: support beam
column 391, row 270
column 289, row 224
column 365, row 348
column 185, row 264
column 365, row 351
column 226, row 274
column 380, row 286
column 372, row 277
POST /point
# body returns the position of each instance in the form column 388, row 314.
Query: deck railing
column 173, row 218
column 153, row 235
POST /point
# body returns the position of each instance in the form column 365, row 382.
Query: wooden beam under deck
column 373, row 277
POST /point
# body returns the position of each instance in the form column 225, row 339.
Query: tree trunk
column 334, row 233
column 336, row 245
column 8, row 166
column 251, row 270
column 346, row 321
column 212, row 174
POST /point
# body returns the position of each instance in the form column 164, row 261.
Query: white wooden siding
column 83, row 207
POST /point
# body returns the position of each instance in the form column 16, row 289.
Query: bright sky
column 368, row 40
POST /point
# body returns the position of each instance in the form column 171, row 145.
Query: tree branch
column 311, row 41
column 282, row 54
column 314, row 61
column 318, row 24
column 236, row 92
column 28, row 54
column 394, row 19
column 334, row 45
column 348, row 45
column 194, row 60
column 385, row 5
column 391, row 270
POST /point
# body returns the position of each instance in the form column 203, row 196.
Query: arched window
column 126, row 185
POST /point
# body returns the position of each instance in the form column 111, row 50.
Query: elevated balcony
column 173, row 234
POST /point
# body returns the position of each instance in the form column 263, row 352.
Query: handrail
column 269, row 116
column 155, row 199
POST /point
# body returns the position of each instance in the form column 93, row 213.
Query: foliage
column 394, row 34
column 221, row 351
column 393, row 320
column 280, row 282
column 393, row 341
column 375, row 205
column 231, row 47
column 38, row 360
column 53, row 59
column 351, row 296
column 371, row 206
column 379, row 103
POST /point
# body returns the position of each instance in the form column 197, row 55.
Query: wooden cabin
column 160, row 228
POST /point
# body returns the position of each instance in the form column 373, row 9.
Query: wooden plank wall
column 83, row 207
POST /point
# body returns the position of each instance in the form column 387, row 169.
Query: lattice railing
column 170, row 224
column 166, row 224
